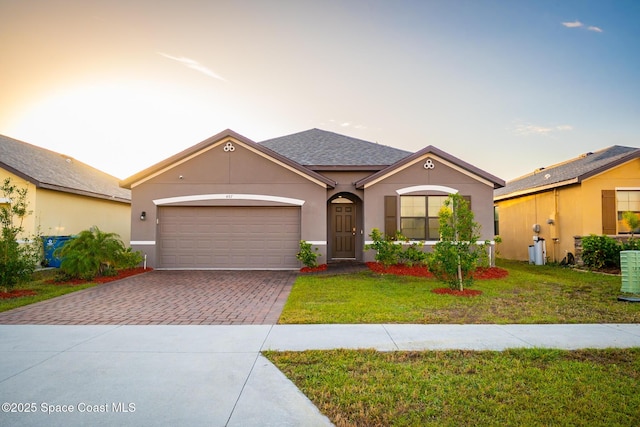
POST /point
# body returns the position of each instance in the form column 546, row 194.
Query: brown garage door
column 229, row 237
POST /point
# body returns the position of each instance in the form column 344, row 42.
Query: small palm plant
column 91, row 253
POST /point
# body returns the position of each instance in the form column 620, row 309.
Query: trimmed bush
column 600, row 251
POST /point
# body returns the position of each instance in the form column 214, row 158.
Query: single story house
column 231, row 203
column 65, row 195
column 581, row 196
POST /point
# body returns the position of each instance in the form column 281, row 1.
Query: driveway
column 168, row 298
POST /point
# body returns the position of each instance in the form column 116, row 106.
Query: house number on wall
column 429, row 164
column 229, row 147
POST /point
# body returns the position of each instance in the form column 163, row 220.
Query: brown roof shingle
column 55, row 171
column 570, row 172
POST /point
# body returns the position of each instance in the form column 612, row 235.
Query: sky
column 506, row 85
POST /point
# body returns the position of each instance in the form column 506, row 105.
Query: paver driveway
column 168, row 298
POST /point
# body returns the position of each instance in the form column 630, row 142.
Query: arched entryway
column 345, row 234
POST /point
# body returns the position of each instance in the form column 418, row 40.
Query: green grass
column 43, row 290
column 528, row 387
column 531, row 294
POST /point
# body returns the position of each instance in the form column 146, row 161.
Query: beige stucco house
column 581, row 196
column 65, row 195
column 231, row 203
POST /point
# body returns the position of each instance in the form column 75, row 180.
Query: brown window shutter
column 390, row 215
column 609, row 214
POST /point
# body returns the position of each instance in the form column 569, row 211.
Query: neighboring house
column 582, row 196
column 65, row 196
column 231, row 203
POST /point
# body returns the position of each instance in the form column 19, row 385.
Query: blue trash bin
column 51, row 243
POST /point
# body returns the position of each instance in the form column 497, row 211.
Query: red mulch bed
column 17, row 293
column 321, row 267
column 482, row 273
column 104, row 279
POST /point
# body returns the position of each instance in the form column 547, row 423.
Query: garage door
column 229, row 237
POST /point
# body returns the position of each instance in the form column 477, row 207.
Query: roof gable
column 316, row 147
column 55, row 171
column 570, row 172
column 446, row 158
column 214, row 141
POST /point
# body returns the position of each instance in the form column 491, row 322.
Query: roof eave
column 538, row 189
column 346, row 168
column 228, row 133
column 430, row 149
column 20, row 174
column 84, row 193
column 631, row 156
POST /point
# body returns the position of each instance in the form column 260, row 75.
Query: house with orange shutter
column 559, row 204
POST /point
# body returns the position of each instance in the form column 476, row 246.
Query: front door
column 343, row 213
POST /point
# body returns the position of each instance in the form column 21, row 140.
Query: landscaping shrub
column 600, row 251
column 387, row 250
column 414, row 255
column 308, row 256
column 390, row 251
column 17, row 261
column 95, row 253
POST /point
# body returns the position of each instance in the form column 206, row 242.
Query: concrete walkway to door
column 203, row 297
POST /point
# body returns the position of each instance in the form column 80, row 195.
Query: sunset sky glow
column 506, row 85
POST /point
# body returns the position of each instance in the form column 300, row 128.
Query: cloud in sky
column 525, row 129
column 574, row 24
column 578, row 24
column 194, row 65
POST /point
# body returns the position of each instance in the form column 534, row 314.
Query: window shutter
column 609, row 214
column 390, row 215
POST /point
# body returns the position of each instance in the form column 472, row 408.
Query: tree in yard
column 633, row 222
column 455, row 256
column 17, row 260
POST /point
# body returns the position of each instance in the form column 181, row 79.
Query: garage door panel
column 228, row 237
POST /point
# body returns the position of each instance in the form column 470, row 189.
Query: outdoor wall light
column 143, row 216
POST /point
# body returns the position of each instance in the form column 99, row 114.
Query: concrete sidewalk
column 215, row 375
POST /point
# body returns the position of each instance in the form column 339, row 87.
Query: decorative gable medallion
column 229, row 147
column 429, row 164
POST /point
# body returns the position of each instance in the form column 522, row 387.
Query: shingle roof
column 228, row 133
column 55, row 171
column 317, row 147
column 570, row 172
column 479, row 173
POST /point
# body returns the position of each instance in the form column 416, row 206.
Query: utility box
column 532, row 254
column 51, row 243
column 630, row 269
column 539, row 251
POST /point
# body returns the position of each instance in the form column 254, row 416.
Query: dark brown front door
column 344, row 230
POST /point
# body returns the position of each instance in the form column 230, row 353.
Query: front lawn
column 524, row 387
column 530, row 294
column 44, row 288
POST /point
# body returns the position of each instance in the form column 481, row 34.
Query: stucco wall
column 440, row 175
column 576, row 210
column 55, row 213
column 219, row 172
column 64, row 214
column 29, row 222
